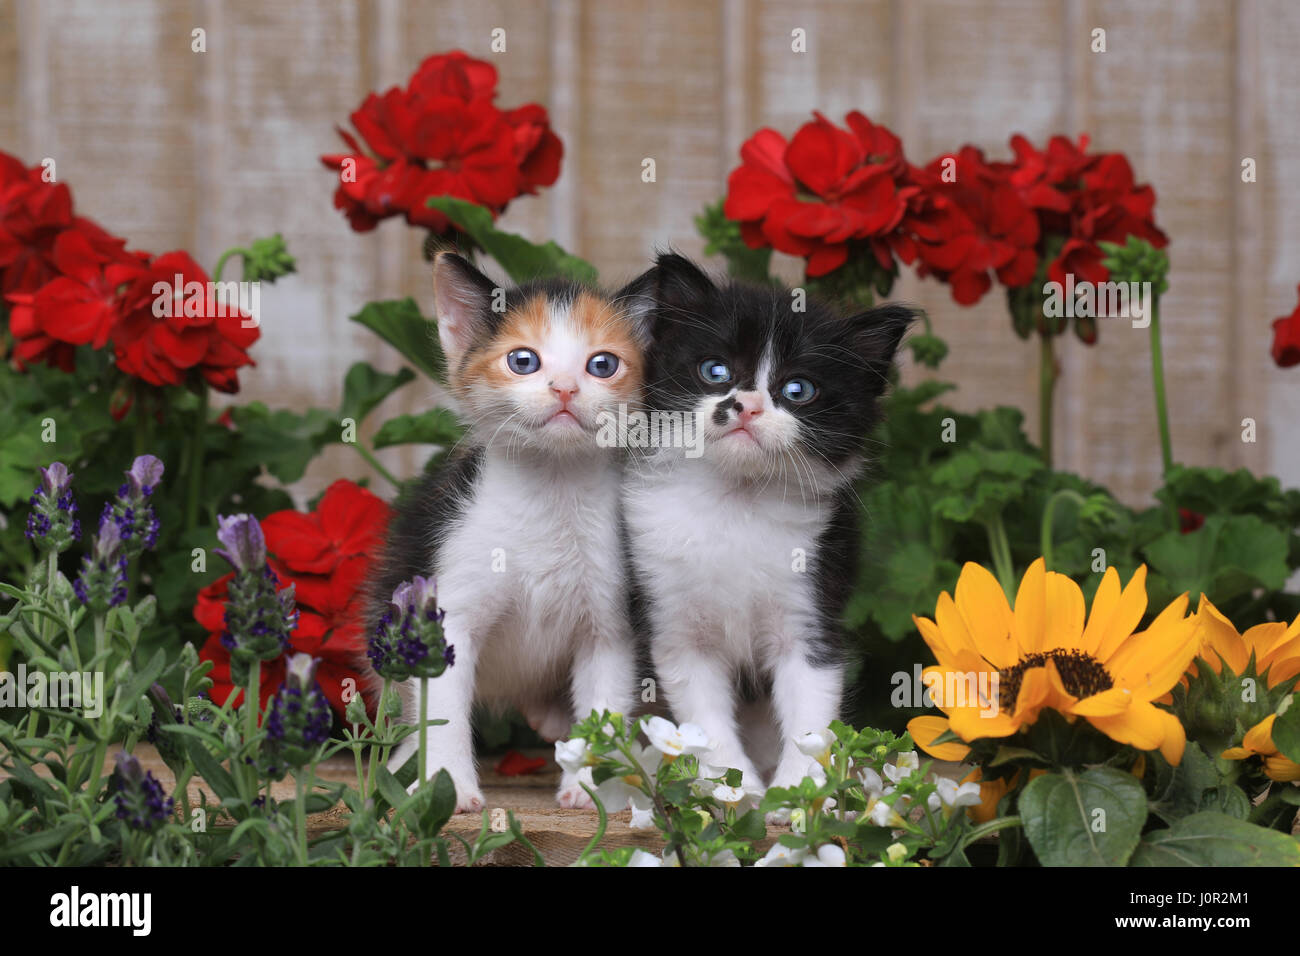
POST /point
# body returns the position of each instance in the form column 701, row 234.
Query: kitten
column 744, row 555
column 521, row 525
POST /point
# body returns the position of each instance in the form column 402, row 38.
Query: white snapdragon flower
column 728, row 796
column 642, row 818
column 572, row 755
column 673, row 741
column 783, row 856
column 828, row 854
column 952, row 795
column 816, row 745
column 642, row 858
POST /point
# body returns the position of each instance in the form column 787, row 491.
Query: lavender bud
column 298, row 719
column 132, row 511
column 259, row 616
column 102, row 582
column 52, row 524
column 408, row 640
column 139, row 799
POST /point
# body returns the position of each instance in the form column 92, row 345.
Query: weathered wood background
column 202, row 151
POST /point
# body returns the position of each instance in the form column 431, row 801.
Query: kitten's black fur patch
column 846, row 358
column 422, row 516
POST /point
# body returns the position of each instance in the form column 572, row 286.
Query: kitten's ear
column 681, row 283
column 879, row 332
column 462, row 297
column 636, row 302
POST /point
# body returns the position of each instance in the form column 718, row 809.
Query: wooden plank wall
column 176, row 149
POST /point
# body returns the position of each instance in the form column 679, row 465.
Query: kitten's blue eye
column 523, row 361
column 715, row 372
column 798, row 390
column 602, row 364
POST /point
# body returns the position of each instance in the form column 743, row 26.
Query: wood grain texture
column 175, row 149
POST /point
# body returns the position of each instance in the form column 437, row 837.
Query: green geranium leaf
column 1216, row 839
column 522, row 260
column 437, row 426
column 282, row 440
column 399, row 323
column 1089, row 819
column 364, row 387
column 1226, row 557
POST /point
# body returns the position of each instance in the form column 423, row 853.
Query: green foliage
column 522, row 260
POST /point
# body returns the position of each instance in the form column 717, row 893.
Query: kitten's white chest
column 735, row 563
column 539, row 547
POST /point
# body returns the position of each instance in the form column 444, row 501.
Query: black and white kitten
column 521, row 525
column 744, row 555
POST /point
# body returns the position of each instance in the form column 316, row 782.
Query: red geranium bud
column 1286, row 339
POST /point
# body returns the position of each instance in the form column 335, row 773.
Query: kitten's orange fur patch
column 529, row 326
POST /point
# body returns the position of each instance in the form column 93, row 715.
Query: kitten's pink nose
column 564, row 390
column 749, row 405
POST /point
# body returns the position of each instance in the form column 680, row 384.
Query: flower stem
column 421, row 724
column 374, row 463
column 1158, row 380
column 300, row 813
column 1000, row 551
column 221, row 262
column 1049, row 512
column 195, row 464
column 1047, row 376
column 252, row 700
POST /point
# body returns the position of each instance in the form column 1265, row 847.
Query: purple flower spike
column 146, row 471
column 418, row 594
column 300, row 671
column 408, row 639
column 245, row 546
column 55, row 479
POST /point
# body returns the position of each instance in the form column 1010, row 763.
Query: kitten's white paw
column 778, row 818
column 469, row 801
column 572, row 796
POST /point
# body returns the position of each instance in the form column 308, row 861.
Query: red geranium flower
column 327, row 555
column 970, row 222
column 827, row 186
column 1286, row 339
column 442, row 135
column 196, row 333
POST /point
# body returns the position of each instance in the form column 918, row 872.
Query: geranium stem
column 1158, row 380
column 373, row 462
column 1049, row 512
column 195, row 491
column 1046, row 391
column 1000, row 551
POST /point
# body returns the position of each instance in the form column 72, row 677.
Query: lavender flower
column 141, row 803
column 166, row 714
column 132, row 511
column 408, row 640
column 259, row 616
column 102, row 582
column 298, row 719
column 52, row 524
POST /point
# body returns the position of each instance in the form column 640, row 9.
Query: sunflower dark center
column 1082, row 674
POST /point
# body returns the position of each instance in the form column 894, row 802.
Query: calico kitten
column 744, row 556
column 521, row 525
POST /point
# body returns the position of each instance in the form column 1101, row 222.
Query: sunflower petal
column 1065, row 613
column 1126, row 616
column 1106, row 704
column 1029, row 624
column 983, row 606
column 925, row 729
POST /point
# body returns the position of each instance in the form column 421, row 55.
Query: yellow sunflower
column 1258, row 742
column 1045, row 655
column 1274, row 644
column 1275, row 647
